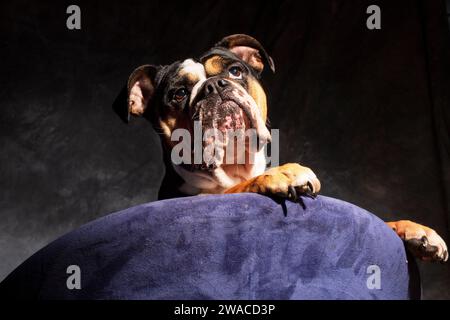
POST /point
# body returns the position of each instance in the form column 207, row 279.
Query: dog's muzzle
column 228, row 114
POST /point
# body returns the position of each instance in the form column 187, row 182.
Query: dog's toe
column 423, row 242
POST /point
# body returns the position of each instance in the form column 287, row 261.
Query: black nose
column 214, row 85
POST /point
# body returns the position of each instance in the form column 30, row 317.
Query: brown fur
column 258, row 94
column 214, row 66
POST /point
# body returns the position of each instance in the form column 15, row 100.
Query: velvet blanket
column 241, row 246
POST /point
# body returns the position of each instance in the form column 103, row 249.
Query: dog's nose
column 215, row 85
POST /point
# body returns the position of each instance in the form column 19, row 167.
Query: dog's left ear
column 248, row 49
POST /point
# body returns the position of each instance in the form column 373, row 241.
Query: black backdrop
column 367, row 110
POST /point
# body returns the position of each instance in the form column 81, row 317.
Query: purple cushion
column 240, row 246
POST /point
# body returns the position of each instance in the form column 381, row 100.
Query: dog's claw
column 310, row 187
column 311, row 195
column 424, row 241
column 301, row 203
column 292, row 193
column 295, row 193
column 423, row 248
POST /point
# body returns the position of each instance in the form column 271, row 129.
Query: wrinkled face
column 220, row 92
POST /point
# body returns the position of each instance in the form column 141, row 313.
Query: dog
column 221, row 90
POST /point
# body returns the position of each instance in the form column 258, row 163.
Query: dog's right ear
column 138, row 92
column 141, row 89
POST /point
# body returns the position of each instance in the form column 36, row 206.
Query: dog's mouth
column 232, row 127
column 226, row 117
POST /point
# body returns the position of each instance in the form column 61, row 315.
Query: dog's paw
column 288, row 181
column 421, row 241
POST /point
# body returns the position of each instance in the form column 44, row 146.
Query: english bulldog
column 221, row 91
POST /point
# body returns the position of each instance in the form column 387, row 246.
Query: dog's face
column 221, row 89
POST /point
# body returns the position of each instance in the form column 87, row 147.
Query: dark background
column 367, row 110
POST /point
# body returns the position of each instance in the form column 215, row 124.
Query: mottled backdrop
column 367, row 110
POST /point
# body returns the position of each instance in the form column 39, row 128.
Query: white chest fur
column 222, row 178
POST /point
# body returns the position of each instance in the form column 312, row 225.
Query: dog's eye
column 180, row 94
column 235, row 72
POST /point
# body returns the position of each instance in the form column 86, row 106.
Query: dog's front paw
column 421, row 241
column 287, row 181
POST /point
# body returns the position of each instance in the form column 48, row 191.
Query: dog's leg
column 287, row 181
column 291, row 180
column 423, row 242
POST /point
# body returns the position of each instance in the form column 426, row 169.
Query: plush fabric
column 243, row 246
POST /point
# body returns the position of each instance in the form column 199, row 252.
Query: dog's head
column 221, row 89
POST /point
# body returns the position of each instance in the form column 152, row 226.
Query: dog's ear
column 135, row 98
column 141, row 89
column 247, row 49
